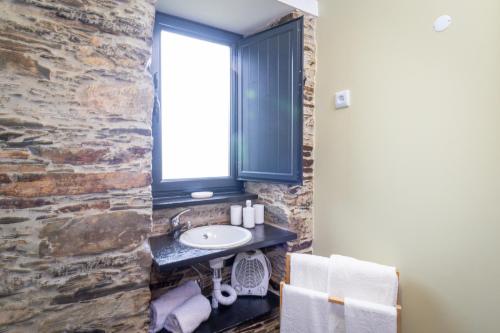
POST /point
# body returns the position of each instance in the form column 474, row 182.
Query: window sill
column 172, row 202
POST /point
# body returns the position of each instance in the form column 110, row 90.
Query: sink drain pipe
column 219, row 288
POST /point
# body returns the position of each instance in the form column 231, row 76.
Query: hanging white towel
column 309, row 271
column 162, row 306
column 362, row 280
column 366, row 317
column 187, row 317
column 308, row 311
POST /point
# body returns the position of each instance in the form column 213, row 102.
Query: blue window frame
column 265, row 110
column 182, row 187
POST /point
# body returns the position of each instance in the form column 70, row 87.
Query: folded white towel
column 367, row 281
column 308, row 311
column 187, row 317
column 309, row 271
column 161, row 307
column 366, row 317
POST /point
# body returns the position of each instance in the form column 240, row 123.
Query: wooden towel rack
column 331, row 299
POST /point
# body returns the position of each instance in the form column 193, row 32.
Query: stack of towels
column 181, row 310
column 369, row 291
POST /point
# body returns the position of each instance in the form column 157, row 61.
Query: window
column 194, row 125
column 228, row 109
column 196, row 130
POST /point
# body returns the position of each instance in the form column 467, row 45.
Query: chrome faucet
column 175, row 222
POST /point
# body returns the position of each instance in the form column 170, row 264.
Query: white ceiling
column 239, row 16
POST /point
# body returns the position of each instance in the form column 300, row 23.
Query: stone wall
column 288, row 207
column 75, row 160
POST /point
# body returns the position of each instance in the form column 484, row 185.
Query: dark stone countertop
column 169, row 253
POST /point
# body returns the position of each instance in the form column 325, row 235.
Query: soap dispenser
column 248, row 215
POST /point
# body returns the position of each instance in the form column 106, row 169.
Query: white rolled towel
column 187, row 317
column 164, row 305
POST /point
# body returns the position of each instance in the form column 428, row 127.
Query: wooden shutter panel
column 270, row 105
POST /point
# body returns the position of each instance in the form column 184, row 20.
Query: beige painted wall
column 410, row 174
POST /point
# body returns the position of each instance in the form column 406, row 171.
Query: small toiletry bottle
column 236, row 212
column 259, row 213
column 248, row 215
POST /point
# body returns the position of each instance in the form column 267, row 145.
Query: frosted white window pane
column 195, row 96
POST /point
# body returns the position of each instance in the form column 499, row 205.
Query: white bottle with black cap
column 249, row 215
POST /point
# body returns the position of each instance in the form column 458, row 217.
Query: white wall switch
column 342, row 99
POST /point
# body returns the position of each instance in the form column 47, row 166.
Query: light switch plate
column 342, row 99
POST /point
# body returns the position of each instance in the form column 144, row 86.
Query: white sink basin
column 216, row 237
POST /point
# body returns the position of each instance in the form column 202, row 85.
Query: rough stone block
column 53, row 184
column 96, row 234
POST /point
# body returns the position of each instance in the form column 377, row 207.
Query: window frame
column 166, row 188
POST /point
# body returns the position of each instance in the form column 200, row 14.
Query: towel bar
column 331, row 299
